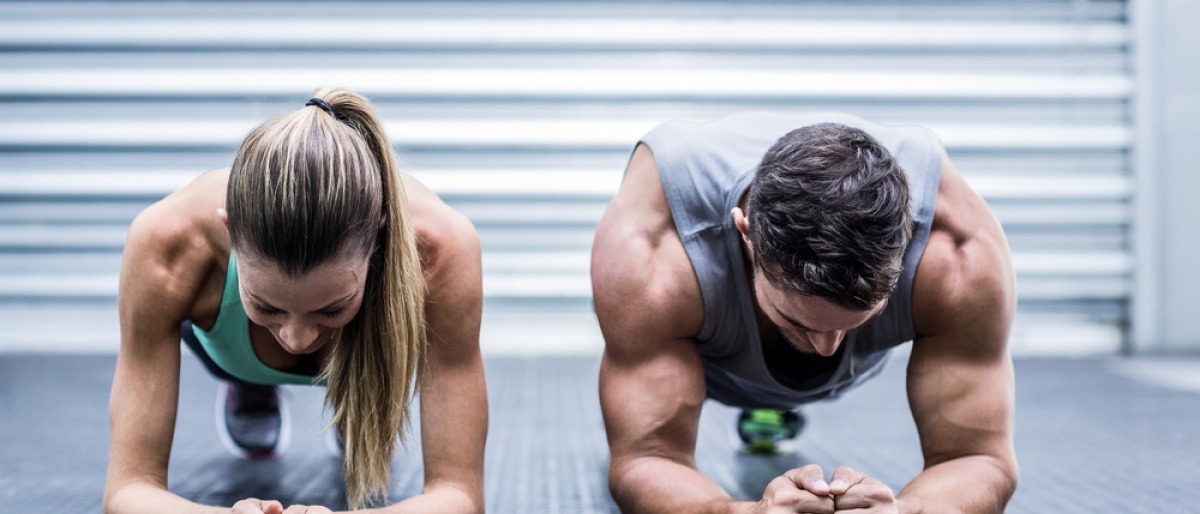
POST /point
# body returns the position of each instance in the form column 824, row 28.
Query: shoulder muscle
column 642, row 281
column 965, row 279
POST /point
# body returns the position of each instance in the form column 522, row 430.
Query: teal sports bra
column 228, row 341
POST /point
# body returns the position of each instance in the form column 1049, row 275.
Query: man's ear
column 742, row 223
column 743, row 227
column 224, row 216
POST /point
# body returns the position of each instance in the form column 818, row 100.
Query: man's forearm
column 654, row 484
column 972, row 484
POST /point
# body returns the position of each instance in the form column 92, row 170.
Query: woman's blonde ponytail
column 372, row 372
column 305, row 187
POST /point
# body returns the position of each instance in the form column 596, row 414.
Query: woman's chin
column 304, row 350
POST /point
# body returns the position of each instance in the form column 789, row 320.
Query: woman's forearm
column 447, row 499
column 138, row 498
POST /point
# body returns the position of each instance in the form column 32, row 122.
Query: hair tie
column 325, row 107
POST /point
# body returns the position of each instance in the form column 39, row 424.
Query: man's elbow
column 627, row 477
column 1008, row 475
column 1012, row 476
column 618, row 477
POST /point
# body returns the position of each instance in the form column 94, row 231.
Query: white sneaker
column 253, row 420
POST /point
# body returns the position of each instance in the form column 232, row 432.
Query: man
column 767, row 261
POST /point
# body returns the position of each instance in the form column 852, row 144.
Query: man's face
column 811, row 324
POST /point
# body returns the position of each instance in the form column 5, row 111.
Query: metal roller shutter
column 521, row 115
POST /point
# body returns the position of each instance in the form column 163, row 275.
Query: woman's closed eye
column 269, row 311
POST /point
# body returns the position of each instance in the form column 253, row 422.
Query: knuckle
column 811, row 469
column 778, row 484
column 786, row 498
column 880, row 495
column 815, row 504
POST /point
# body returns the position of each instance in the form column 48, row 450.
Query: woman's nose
column 298, row 336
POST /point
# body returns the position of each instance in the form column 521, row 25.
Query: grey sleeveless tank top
column 705, row 169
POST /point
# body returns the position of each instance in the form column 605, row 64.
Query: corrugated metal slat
column 522, row 115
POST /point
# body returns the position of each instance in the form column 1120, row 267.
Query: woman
column 311, row 260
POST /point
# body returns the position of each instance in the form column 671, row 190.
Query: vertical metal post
column 1166, row 305
column 1145, row 321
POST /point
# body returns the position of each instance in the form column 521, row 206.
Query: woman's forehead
column 323, row 284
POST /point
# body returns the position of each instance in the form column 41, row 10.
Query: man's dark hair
column 829, row 215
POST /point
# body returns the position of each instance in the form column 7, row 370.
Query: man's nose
column 826, row 343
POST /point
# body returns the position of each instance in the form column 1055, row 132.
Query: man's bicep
column 651, row 396
column 962, row 396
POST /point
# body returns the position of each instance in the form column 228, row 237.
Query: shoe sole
column 783, row 447
column 285, row 428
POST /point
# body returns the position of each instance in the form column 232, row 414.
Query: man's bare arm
column 960, row 376
column 651, row 379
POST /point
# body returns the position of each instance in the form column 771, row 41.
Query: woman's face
column 303, row 313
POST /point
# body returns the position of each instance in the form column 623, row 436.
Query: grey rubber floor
column 1089, row 438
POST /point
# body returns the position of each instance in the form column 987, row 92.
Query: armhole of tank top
column 905, row 328
column 221, row 319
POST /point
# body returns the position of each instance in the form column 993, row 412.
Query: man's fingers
column 784, row 493
column 844, row 477
column 810, row 478
column 866, row 494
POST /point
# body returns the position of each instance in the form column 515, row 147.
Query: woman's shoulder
column 439, row 227
column 175, row 244
column 187, row 217
column 446, row 239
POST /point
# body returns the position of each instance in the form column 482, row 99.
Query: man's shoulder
column 642, row 278
column 646, row 290
column 965, row 275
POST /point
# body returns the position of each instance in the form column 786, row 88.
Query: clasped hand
column 257, row 506
column 804, row 490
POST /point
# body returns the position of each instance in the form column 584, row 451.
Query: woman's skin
column 174, row 267
column 300, row 315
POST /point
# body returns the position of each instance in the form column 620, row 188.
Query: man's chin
column 802, row 347
column 807, row 349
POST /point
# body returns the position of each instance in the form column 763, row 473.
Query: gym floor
column 1092, row 435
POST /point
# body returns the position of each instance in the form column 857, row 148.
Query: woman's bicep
column 454, row 292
